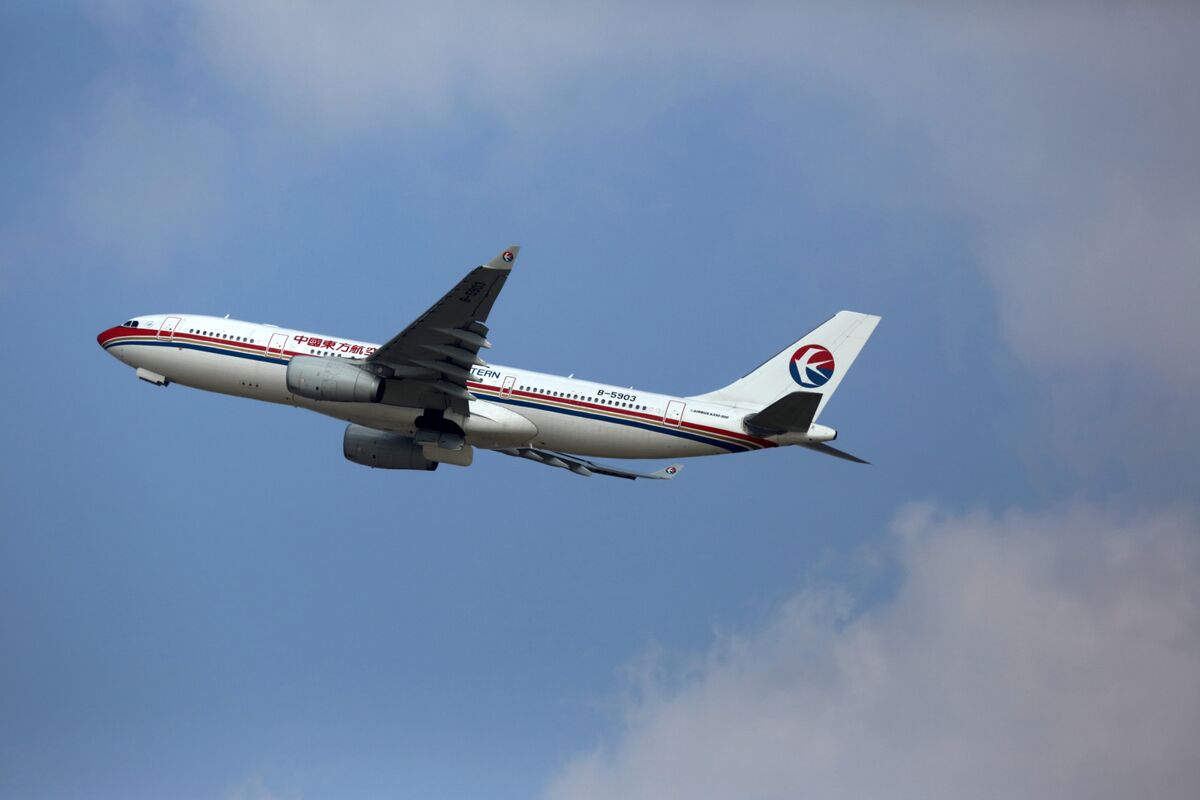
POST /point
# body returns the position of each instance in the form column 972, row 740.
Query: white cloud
column 1064, row 136
column 350, row 66
column 1032, row 655
column 254, row 788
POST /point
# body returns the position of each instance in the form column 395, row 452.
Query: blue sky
column 199, row 597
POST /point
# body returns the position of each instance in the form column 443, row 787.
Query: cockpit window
column 133, row 323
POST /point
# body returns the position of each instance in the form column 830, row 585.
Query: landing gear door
column 168, row 327
column 674, row 413
column 507, row 386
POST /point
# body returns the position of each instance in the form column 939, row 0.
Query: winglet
column 505, row 260
column 667, row 473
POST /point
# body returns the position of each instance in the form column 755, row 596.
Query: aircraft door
column 674, row 413
column 275, row 346
column 507, row 387
column 168, row 327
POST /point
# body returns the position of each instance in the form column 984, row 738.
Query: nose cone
column 105, row 337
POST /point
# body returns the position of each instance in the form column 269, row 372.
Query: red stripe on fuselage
column 121, row 332
column 640, row 416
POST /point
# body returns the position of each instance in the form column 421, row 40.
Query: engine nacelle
column 330, row 379
column 383, row 449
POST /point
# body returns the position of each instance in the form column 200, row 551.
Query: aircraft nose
column 105, row 335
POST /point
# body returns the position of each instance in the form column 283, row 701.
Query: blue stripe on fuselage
column 182, row 345
column 648, row 426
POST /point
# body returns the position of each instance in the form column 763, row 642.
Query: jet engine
column 330, row 379
column 383, row 449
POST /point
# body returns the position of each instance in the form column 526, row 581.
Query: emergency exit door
column 674, row 413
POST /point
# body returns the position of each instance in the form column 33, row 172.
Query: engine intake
column 330, row 379
column 383, row 449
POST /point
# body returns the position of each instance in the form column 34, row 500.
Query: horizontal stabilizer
column 821, row 447
column 792, row 413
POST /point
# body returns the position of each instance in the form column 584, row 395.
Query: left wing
column 427, row 363
column 587, row 468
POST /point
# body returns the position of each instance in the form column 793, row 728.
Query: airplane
column 426, row 398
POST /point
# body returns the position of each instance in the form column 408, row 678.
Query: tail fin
column 815, row 364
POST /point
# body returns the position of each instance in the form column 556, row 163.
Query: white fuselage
column 569, row 415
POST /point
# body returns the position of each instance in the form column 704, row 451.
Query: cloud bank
column 1031, row 655
column 1063, row 137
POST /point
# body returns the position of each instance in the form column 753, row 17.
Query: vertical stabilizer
column 815, row 364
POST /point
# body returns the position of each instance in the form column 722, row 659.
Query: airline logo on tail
column 811, row 366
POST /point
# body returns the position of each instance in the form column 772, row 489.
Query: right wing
column 427, row 363
column 587, row 468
